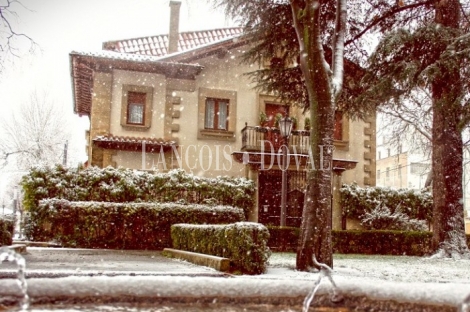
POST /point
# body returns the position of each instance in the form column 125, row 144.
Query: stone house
column 181, row 100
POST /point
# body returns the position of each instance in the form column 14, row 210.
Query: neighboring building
column 399, row 167
column 182, row 100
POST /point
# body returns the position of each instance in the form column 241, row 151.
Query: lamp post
column 285, row 126
column 15, row 200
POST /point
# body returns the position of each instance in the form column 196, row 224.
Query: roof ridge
column 180, row 33
column 158, row 45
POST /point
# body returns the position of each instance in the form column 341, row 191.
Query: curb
column 217, row 263
column 18, row 248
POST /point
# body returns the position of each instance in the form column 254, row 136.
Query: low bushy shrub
column 119, row 225
column 7, row 226
column 126, row 185
column 244, row 243
column 382, row 218
column 402, row 209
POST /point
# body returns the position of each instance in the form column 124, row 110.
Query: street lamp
column 285, row 126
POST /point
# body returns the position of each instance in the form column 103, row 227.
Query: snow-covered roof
column 152, row 145
column 84, row 63
column 158, row 45
column 148, row 54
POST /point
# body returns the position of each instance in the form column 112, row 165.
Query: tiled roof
column 152, row 145
column 158, row 45
column 83, row 64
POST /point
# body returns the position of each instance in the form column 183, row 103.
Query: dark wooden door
column 269, row 197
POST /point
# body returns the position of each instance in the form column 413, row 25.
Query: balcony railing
column 261, row 138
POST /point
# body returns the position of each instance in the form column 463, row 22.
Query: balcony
column 255, row 139
column 261, row 147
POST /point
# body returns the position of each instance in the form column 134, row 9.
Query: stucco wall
column 158, row 83
column 179, row 106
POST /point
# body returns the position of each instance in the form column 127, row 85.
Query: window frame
column 147, row 111
column 137, row 104
column 216, row 114
column 217, row 134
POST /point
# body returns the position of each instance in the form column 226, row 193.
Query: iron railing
column 267, row 139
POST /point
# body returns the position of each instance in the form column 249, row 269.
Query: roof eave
column 103, row 63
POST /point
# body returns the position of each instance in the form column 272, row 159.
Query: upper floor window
column 338, row 134
column 216, row 114
column 136, row 108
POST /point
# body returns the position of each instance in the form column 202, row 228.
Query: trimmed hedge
column 244, row 243
column 7, row 226
column 283, row 238
column 126, row 185
column 119, row 225
column 361, row 242
column 382, row 242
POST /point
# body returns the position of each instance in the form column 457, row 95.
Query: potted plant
column 307, row 123
column 263, row 119
column 295, row 122
column 277, row 118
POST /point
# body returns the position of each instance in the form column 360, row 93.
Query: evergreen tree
column 298, row 38
column 433, row 55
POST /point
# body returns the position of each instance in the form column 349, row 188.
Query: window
column 216, row 114
column 338, row 134
column 136, row 107
column 378, row 174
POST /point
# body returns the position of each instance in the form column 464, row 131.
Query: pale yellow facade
column 174, row 114
column 181, row 120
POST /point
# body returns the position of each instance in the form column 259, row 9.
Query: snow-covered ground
column 412, row 281
column 383, row 268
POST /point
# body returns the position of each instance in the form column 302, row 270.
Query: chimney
column 173, row 36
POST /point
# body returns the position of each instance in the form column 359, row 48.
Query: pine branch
column 377, row 20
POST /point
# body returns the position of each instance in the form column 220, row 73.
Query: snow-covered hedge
column 126, row 185
column 244, row 243
column 7, row 225
column 283, row 238
column 397, row 243
column 386, row 208
column 411, row 243
column 119, row 225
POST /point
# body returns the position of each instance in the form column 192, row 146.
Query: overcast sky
column 62, row 26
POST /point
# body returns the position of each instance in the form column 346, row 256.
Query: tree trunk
column 315, row 236
column 449, row 238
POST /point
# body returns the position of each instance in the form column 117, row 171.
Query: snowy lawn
column 391, row 268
